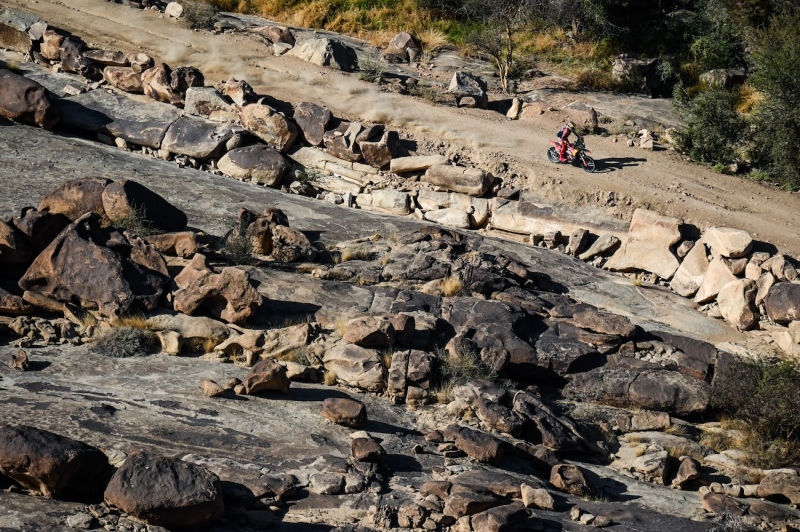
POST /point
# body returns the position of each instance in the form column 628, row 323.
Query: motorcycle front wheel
column 552, row 154
column 588, row 164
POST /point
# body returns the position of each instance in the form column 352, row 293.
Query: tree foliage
column 712, row 131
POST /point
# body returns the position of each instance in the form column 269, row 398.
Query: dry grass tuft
column 296, row 355
column 677, row 430
column 201, row 346
column 329, row 378
column 340, row 326
column 136, row 321
column 355, row 253
column 432, row 40
column 452, row 286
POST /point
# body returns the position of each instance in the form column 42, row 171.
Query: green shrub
column 237, row 246
column 126, row 342
column 712, row 132
column 137, row 223
column 199, row 15
column 371, row 70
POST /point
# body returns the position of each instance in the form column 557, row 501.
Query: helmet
column 571, row 125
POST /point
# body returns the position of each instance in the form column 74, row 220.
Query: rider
column 564, row 134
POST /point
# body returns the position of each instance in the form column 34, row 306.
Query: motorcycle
column 576, row 155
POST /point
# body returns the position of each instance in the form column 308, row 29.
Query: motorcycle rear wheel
column 552, row 154
column 588, row 164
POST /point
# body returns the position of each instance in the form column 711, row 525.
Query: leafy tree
column 713, row 131
column 776, row 57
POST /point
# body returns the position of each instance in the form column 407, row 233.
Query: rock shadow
column 310, row 394
column 612, row 164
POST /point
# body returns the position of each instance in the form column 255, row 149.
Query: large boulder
column 276, row 34
column 227, row 295
column 416, row 163
column 108, row 58
column 647, row 247
column 267, row 374
column 157, row 84
column 582, row 114
column 98, row 268
column 322, row 52
column 73, row 60
column 717, row 276
column 355, row 366
column 343, row 411
column 124, row 78
column 258, row 163
column 727, row 242
column 651, row 389
column 165, row 491
column 642, row 75
column 782, row 486
column 185, row 77
column 24, row 100
column 479, row 445
column 499, row 518
column 783, row 303
column 689, row 276
column 465, row 85
column 56, row 466
column 570, row 479
column 209, row 103
column 50, row 47
column 198, row 137
column 269, row 125
column 312, row 120
column 471, row 181
column 14, row 39
column 379, row 152
column 737, row 305
column 124, row 199
column 77, row 197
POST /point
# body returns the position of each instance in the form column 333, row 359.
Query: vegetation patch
column 126, row 342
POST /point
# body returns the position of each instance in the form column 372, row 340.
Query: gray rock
column 258, row 163
column 322, row 52
column 208, row 103
column 198, row 138
column 465, row 85
column 312, row 121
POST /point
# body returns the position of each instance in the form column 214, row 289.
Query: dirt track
column 660, row 180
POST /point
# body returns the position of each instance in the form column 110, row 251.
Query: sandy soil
column 632, row 178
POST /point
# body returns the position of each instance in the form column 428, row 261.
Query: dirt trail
column 662, row 180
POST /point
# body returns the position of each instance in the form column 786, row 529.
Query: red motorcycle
column 576, row 155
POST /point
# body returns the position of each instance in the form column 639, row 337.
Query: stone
column 50, row 48
column 780, row 486
column 108, row 58
column 239, row 91
column 179, row 244
column 80, row 521
column 174, row 10
column 582, row 114
column 498, row 417
column 515, row 110
column 171, row 342
column 652, row 466
column 125, row 198
column 209, row 103
column 211, row 388
column 690, row 274
column 269, row 125
column 157, row 84
column 140, row 62
column 647, row 247
column 76, row 198
column 98, row 268
column 342, row 145
column 385, row 200
column 226, row 295
column 720, row 504
column 764, row 283
column 198, row 138
column 416, row 163
column 554, row 431
column 14, row 39
column 570, row 479
column 717, row 276
column 56, row 466
column 369, row 331
column 688, row 471
column 471, row 181
column 727, row 242
column 464, row 85
column 258, row 163
column 404, row 41
column 451, row 217
column 411, row 515
column 276, row 34
column 379, row 153
column 322, row 52
column 536, row 498
column 14, row 247
column 604, row 323
column 647, row 420
column 73, row 60
column 14, row 305
column 479, row 445
column 783, row 302
column 578, row 242
column 499, row 518
column 652, row 389
column 366, row 450
column 347, row 412
column 355, row 366
column 782, row 268
column 312, row 120
column 24, row 100
column 736, row 303
column 183, row 78
column 468, row 502
column 602, row 245
column 291, row 245
column 124, row 78
column 165, row 491
column 327, row 483
column 266, row 375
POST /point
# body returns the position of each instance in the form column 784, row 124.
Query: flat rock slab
column 99, row 111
